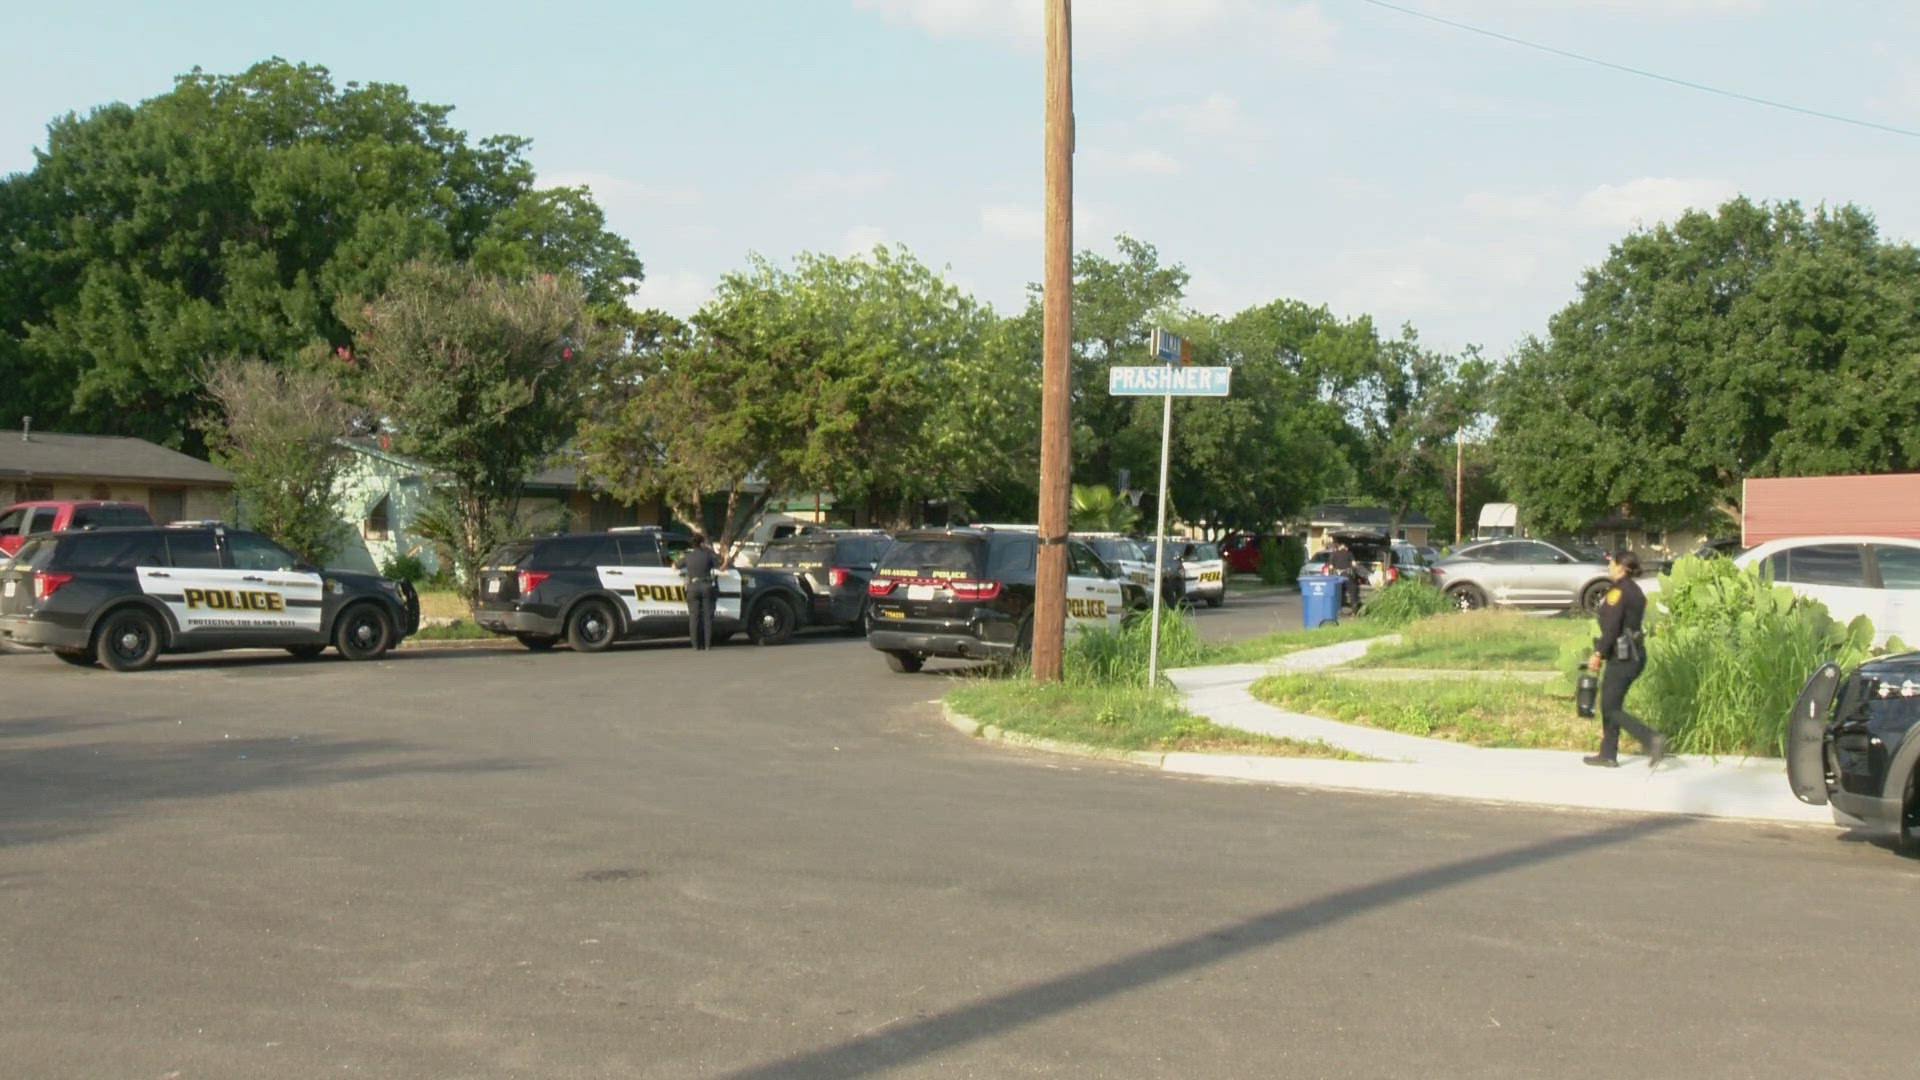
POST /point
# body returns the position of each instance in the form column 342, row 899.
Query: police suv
column 1204, row 570
column 1133, row 559
column 594, row 589
column 123, row 596
column 968, row 594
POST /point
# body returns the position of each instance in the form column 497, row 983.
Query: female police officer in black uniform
column 1623, row 646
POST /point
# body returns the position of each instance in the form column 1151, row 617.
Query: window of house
column 35, row 492
column 377, row 526
column 167, row 504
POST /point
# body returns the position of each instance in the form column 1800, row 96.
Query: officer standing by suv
column 698, row 565
column 1622, row 645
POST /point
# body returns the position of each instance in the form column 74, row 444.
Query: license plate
column 920, row 592
column 11, row 586
column 889, row 614
column 493, row 586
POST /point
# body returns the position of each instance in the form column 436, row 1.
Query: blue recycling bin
column 1320, row 599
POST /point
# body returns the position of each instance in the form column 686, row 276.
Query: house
column 380, row 494
column 52, row 465
column 1325, row 520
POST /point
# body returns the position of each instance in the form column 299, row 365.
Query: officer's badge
column 1613, row 596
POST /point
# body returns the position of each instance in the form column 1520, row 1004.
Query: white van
column 1875, row 576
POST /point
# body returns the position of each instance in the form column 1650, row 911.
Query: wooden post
column 1050, row 585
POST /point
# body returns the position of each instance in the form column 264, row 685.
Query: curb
column 968, row 726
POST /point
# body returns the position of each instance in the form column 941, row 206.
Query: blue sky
column 1328, row 150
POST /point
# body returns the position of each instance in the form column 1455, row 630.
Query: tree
column 225, row 217
column 1759, row 340
column 1406, row 408
column 1096, row 508
column 278, row 430
column 480, row 378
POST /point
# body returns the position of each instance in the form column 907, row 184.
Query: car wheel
column 1593, row 596
column 902, row 662
column 128, row 640
column 77, row 657
column 721, row 637
column 537, row 642
column 1909, row 835
column 591, row 627
column 305, row 652
column 772, row 621
column 1468, row 597
column 1216, row 601
column 363, row 632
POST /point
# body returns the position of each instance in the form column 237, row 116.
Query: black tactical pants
column 701, row 599
column 1613, row 713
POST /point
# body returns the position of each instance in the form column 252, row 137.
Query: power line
column 1735, row 94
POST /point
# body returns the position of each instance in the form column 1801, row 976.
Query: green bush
column 1101, row 657
column 1729, row 653
column 1281, row 559
column 404, row 568
column 1405, row 601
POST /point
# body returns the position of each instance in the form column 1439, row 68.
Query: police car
column 1133, row 558
column 968, row 594
column 594, row 589
column 1204, row 570
column 123, row 596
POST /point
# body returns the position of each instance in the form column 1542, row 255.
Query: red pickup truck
column 21, row 520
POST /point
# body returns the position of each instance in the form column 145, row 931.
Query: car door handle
column 252, row 577
column 616, row 573
column 158, row 573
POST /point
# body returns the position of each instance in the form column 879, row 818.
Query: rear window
column 943, row 557
column 578, row 552
column 508, row 554
column 33, row 555
column 1899, row 566
column 107, row 517
column 114, row 551
column 796, row 556
column 859, row 550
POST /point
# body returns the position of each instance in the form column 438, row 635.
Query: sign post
column 1169, row 382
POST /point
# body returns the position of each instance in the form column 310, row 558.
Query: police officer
column 1622, row 646
column 697, row 565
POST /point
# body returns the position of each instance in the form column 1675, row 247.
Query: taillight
column 530, row 580
column 45, row 584
column 880, row 586
column 1437, row 573
column 837, row 576
column 1393, row 574
column 974, row 590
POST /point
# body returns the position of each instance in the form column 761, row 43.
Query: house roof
column 51, row 455
column 1376, row 517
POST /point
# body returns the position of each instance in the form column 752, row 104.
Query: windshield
column 943, row 557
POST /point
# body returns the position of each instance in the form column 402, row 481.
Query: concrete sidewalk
column 1754, row 789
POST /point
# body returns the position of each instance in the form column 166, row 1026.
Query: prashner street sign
column 1175, row 381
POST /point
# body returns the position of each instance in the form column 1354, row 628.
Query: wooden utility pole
column 1050, row 585
column 1459, row 476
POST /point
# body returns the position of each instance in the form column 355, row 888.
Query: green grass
column 1280, row 643
column 1486, row 640
column 1480, row 712
column 443, row 604
column 461, row 630
column 1116, row 718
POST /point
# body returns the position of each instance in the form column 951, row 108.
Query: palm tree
column 1097, row 509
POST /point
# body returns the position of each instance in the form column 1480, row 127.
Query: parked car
column 969, row 593
column 1875, row 576
column 1525, row 573
column 594, row 589
column 121, row 597
column 1133, row 558
column 1203, row 571
column 1400, row 562
column 834, row 567
column 44, row 516
column 1851, row 745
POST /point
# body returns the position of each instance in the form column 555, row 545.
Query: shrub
column 1281, row 559
column 1404, row 601
column 1101, row 657
column 404, row 568
column 1729, row 653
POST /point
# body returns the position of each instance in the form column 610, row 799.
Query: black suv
column 834, row 566
column 968, row 594
column 1851, row 745
column 122, row 597
column 594, row 589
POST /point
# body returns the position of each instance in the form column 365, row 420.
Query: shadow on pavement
column 49, row 793
column 894, row 1047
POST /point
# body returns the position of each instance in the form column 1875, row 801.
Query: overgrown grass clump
column 1404, row 601
column 1487, row 640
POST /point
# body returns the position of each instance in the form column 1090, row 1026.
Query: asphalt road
column 767, row 863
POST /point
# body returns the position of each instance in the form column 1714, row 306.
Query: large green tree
column 277, row 428
column 1406, row 409
column 1759, row 340
column 224, row 218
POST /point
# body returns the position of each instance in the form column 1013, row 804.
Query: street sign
column 1173, row 381
column 1169, row 348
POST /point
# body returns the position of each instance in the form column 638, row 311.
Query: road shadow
column 894, row 1047
column 55, row 792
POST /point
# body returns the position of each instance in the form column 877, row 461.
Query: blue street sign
column 1177, row 381
column 1165, row 346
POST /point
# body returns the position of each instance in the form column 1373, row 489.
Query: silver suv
column 1525, row 573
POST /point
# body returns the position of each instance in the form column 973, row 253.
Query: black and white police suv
column 968, row 594
column 594, row 589
column 123, row 596
column 834, row 566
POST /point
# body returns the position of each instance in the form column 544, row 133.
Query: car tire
column 721, row 637
column 1593, row 596
column 1908, row 834
column 305, row 652
column 592, row 627
column 363, row 632
column 537, row 642
column 904, row 663
column 1468, row 597
column 1215, row 601
column 128, row 640
column 77, row 657
column 772, row 621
